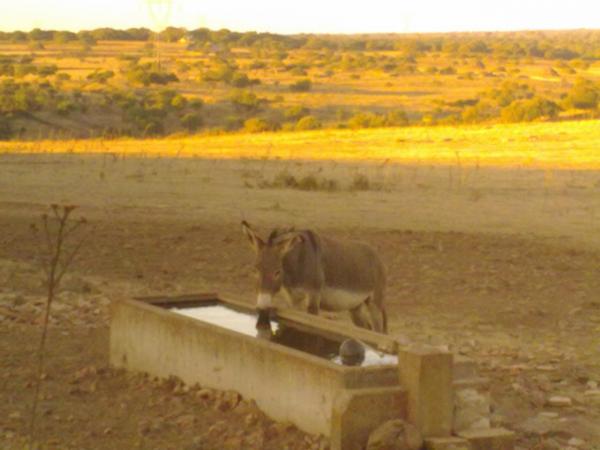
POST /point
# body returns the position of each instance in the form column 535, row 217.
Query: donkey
column 315, row 272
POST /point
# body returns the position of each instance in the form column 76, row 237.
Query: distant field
column 573, row 145
column 222, row 85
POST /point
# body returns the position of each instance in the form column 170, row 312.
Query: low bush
column 529, row 110
column 584, row 94
column 308, row 123
column 304, row 85
column 296, row 112
column 256, row 125
column 191, row 121
column 146, row 75
column 100, row 76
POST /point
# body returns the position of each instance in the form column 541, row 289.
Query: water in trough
column 245, row 323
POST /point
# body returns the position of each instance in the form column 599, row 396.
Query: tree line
column 565, row 45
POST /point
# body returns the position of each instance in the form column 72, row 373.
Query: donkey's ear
column 256, row 242
column 287, row 244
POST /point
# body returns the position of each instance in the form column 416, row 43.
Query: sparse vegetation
column 269, row 80
column 312, row 182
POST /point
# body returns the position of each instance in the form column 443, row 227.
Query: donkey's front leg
column 314, row 302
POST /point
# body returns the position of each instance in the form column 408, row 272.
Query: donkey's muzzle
column 264, row 319
column 264, row 301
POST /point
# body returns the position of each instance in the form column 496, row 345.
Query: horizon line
column 325, row 33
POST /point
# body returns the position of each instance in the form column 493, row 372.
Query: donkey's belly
column 335, row 299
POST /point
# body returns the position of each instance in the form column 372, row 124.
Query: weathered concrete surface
column 357, row 412
column 426, row 374
column 490, row 439
column 287, row 384
column 395, row 434
column 447, row 443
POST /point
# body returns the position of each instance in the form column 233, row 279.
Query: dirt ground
column 500, row 265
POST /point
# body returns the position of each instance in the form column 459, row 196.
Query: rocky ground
column 504, row 269
column 538, row 346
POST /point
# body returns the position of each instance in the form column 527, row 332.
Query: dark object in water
column 352, row 352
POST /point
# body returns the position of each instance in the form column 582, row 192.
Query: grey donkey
column 315, row 273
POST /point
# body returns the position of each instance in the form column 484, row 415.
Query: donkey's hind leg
column 361, row 316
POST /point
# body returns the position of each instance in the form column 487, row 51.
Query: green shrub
column 479, row 112
column 584, row 95
column 100, row 76
column 366, row 120
column 196, row 103
column 240, row 80
column 178, row 102
column 65, row 106
column 192, row 121
column 449, row 70
column 47, row 70
column 256, row 125
column 296, row 112
column 308, row 123
column 301, row 85
column 145, row 75
column 396, row 118
column 510, row 91
column 21, row 70
column 233, row 123
column 222, row 72
column 245, row 101
column 63, row 76
column 529, row 110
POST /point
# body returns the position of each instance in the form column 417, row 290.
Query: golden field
column 557, row 145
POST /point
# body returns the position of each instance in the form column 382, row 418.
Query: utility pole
column 160, row 13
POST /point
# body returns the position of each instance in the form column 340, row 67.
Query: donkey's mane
column 277, row 232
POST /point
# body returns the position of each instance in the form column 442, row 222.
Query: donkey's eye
column 277, row 273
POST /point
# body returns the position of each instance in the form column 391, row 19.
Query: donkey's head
column 269, row 261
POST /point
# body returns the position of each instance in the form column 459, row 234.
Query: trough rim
column 155, row 304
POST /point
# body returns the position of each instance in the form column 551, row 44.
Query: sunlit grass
column 574, row 145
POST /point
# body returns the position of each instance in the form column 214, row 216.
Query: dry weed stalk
column 57, row 258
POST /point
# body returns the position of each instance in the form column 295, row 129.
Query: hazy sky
column 293, row 16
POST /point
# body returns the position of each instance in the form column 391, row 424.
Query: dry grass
column 560, row 145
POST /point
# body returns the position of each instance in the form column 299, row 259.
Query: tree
column 584, row 95
column 245, row 102
column 192, row 121
column 530, row 109
column 63, row 37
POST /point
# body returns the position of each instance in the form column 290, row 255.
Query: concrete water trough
column 292, row 371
